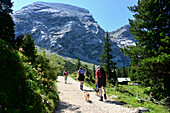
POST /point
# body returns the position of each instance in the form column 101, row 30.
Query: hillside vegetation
column 26, row 86
column 129, row 96
column 39, row 90
column 28, row 77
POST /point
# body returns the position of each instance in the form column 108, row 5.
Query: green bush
column 23, row 84
column 16, row 95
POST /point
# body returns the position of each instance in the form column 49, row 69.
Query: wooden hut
column 123, row 81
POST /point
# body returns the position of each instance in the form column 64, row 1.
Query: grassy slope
column 132, row 95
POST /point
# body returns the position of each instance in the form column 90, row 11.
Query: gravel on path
column 72, row 100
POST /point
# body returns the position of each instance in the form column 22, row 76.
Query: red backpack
column 65, row 73
column 99, row 74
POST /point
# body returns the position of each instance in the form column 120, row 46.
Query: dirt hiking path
column 72, row 100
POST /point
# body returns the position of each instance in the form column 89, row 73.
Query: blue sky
column 109, row 14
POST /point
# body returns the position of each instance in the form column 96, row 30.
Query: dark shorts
column 81, row 77
column 101, row 83
column 65, row 77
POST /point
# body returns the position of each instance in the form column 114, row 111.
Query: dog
column 87, row 96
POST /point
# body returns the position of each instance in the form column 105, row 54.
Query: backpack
column 65, row 73
column 101, row 72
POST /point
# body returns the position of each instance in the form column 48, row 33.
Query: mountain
column 68, row 30
column 122, row 37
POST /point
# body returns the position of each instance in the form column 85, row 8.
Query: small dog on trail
column 87, row 96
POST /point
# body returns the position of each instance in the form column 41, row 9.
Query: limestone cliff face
column 68, row 30
column 122, row 38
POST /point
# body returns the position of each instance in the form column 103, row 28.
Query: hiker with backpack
column 65, row 74
column 81, row 77
column 101, row 79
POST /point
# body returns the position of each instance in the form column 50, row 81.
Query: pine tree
column 107, row 58
column 88, row 72
column 151, row 55
column 118, row 72
column 19, row 41
column 123, row 71
column 29, row 47
column 93, row 72
column 6, row 22
column 130, row 72
column 78, row 63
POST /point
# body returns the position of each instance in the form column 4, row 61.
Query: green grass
column 131, row 95
column 89, row 65
column 134, row 96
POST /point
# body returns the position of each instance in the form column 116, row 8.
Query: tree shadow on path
column 90, row 102
column 64, row 105
column 88, row 90
column 68, row 83
column 63, row 82
column 115, row 102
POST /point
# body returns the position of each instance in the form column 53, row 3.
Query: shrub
column 22, row 84
column 15, row 93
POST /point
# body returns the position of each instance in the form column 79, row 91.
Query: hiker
column 101, row 79
column 65, row 74
column 81, row 77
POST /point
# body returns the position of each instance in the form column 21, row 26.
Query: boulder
column 141, row 110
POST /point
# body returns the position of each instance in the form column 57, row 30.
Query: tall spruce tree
column 151, row 55
column 93, row 72
column 130, row 72
column 107, row 59
column 118, row 72
column 19, row 41
column 123, row 71
column 29, row 47
column 78, row 63
column 6, row 22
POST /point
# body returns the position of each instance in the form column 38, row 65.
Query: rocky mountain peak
column 55, row 6
column 123, row 37
column 67, row 30
column 122, row 32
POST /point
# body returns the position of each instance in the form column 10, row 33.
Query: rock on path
column 72, row 100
